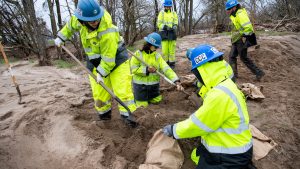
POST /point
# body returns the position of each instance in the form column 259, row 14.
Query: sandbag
column 262, row 144
column 251, row 91
column 163, row 153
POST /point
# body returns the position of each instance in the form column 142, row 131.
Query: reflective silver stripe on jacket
column 107, row 59
column 163, row 20
column 227, row 150
column 101, row 71
column 141, row 57
column 134, row 67
column 87, row 50
column 247, row 23
column 142, row 82
column 94, row 56
column 227, row 65
column 109, row 30
column 124, row 113
column 128, row 103
column 174, row 132
column 103, row 112
column 248, row 33
column 166, row 68
column 243, row 126
column 201, row 125
column 62, row 36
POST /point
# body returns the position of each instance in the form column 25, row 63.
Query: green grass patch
column 10, row 60
column 63, row 64
column 131, row 48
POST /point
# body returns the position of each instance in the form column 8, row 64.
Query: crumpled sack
column 251, row 91
column 163, row 153
column 188, row 80
column 262, row 144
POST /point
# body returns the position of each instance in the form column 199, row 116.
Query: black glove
column 165, row 27
column 168, row 130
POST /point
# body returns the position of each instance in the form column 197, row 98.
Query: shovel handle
column 94, row 77
column 160, row 74
column 11, row 73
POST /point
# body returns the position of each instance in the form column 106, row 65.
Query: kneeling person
column 145, row 80
column 222, row 121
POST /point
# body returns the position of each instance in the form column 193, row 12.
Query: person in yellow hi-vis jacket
column 222, row 121
column 201, row 88
column 145, row 80
column 106, row 53
column 167, row 24
column 242, row 37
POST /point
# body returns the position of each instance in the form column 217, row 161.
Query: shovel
column 160, row 74
column 11, row 73
column 130, row 120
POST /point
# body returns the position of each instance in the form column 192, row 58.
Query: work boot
column 172, row 65
column 129, row 121
column 259, row 75
column 105, row 116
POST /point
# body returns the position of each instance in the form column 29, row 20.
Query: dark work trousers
column 224, row 161
column 239, row 49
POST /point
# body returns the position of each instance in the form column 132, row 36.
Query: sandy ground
column 57, row 126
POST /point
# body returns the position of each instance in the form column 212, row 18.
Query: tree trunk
column 191, row 18
column 53, row 25
column 156, row 15
column 129, row 20
column 58, row 14
column 186, row 16
column 174, row 5
column 36, row 29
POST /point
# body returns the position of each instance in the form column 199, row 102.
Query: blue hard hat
column 154, row 39
column 168, row 3
column 231, row 3
column 88, row 10
column 189, row 52
column 202, row 54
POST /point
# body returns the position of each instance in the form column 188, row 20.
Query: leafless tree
column 156, row 14
column 58, row 14
column 53, row 24
column 34, row 27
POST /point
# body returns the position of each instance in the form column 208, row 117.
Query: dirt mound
column 57, row 126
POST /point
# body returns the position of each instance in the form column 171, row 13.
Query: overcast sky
column 43, row 12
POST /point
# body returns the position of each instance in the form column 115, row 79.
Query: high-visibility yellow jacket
column 139, row 70
column 222, row 121
column 229, row 74
column 241, row 23
column 167, row 18
column 100, row 45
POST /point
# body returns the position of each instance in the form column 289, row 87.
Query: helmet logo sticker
column 152, row 40
column 200, row 58
column 214, row 50
column 232, row 2
column 95, row 12
column 79, row 11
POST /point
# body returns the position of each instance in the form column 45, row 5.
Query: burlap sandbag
column 163, row 153
column 251, row 91
column 262, row 144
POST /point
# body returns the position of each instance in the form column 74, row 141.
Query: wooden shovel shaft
column 94, row 77
column 160, row 74
column 14, row 80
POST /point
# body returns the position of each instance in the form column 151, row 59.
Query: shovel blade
column 129, row 120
